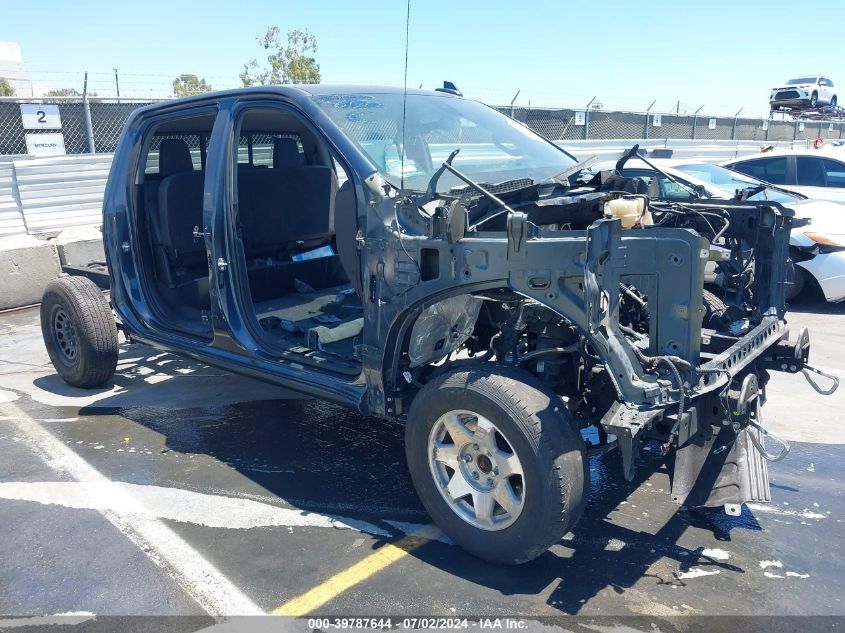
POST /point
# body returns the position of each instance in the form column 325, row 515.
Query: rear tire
column 520, row 425
column 79, row 332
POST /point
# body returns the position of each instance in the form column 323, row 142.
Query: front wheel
column 496, row 462
column 79, row 332
column 833, row 101
column 814, row 100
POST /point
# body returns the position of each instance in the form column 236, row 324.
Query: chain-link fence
column 568, row 124
column 93, row 126
column 86, row 126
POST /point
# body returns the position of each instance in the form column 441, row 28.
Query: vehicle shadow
column 320, row 457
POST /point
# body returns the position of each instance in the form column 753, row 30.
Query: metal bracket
column 627, row 424
column 748, row 391
column 517, row 235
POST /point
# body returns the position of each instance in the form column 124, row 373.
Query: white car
column 804, row 92
column 816, row 173
column 817, row 249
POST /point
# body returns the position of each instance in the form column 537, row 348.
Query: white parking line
column 71, row 618
column 196, row 575
column 175, row 504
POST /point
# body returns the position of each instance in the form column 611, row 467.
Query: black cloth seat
column 288, row 208
column 180, row 195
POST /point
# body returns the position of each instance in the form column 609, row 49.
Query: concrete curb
column 80, row 246
column 28, row 264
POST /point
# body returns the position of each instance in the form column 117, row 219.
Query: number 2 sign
column 36, row 116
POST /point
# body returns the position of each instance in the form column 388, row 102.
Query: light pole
column 587, row 119
column 513, row 100
column 733, row 131
column 116, row 83
column 695, row 121
column 648, row 110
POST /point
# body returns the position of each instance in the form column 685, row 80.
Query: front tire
column 79, row 332
column 497, row 462
column 814, row 100
column 833, row 101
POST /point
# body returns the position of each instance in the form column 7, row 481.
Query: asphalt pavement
column 185, row 490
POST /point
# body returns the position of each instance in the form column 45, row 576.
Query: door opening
column 288, row 193
column 169, row 221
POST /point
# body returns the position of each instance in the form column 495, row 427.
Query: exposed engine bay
column 625, row 332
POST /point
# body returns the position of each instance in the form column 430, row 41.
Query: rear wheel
column 496, row 462
column 79, row 331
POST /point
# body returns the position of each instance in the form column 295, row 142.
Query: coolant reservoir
column 629, row 211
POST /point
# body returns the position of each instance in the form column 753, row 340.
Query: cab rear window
column 256, row 148
column 197, row 143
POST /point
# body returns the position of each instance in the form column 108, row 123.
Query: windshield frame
column 392, row 141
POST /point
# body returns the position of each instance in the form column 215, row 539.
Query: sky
column 723, row 55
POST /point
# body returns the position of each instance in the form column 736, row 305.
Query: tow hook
column 807, row 369
column 749, row 404
column 784, row 451
column 793, row 357
column 748, row 409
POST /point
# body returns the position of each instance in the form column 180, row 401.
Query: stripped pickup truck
column 421, row 257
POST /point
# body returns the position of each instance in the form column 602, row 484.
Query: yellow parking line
column 349, row 577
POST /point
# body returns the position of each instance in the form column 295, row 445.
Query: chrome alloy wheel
column 476, row 470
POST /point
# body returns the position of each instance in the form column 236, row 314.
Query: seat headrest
column 174, row 157
column 286, row 153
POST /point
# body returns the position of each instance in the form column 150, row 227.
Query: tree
column 286, row 64
column 6, row 89
column 186, row 84
column 64, row 92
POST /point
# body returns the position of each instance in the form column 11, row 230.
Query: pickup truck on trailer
column 421, row 257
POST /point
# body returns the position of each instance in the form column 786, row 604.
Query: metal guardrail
column 11, row 218
column 61, row 191
column 710, row 151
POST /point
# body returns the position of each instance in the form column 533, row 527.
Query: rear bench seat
column 181, row 257
column 289, row 208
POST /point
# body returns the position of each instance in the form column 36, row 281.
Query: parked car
column 421, row 257
column 804, row 92
column 817, row 174
column 817, row 249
